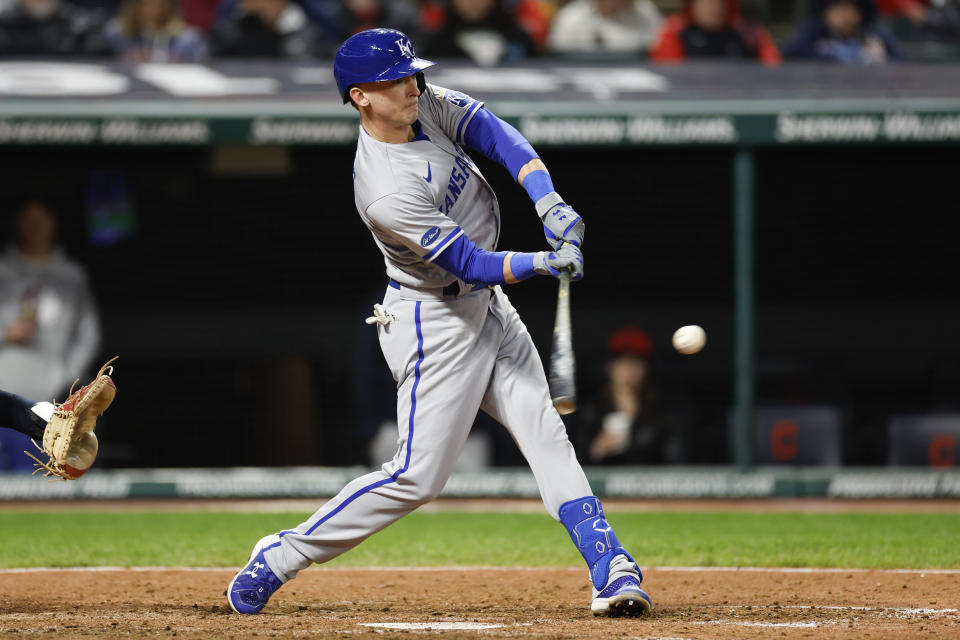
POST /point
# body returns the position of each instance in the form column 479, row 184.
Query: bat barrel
column 563, row 390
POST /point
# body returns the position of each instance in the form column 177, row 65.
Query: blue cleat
column 250, row 589
column 622, row 596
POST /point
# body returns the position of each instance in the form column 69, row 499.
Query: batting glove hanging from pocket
column 380, row 316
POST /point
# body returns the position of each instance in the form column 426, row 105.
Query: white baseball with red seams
column 689, row 339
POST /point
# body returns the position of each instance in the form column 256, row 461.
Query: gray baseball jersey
column 418, row 197
column 450, row 355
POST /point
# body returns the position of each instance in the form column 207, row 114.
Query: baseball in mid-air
column 689, row 339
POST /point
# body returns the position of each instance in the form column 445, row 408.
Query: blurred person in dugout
column 50, row 323
column 51, row 28
column 153, row 31
column 263, row 29
column 716, row 29
column 484, row 31
column 626, row 423
column 627, row 27
column 843, row 31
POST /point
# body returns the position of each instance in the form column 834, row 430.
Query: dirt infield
column 481, row 603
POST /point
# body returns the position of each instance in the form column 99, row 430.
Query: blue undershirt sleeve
column 498, row 141
column 472, row 264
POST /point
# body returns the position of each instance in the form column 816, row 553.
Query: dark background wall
column 237, row 304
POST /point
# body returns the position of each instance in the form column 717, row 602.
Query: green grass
column 161, row 538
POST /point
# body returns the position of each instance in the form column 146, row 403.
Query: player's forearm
column 536, row 180
column 470, row 263
column 536, row 164
column 484, row 268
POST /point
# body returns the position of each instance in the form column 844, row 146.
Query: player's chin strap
column 593, row 536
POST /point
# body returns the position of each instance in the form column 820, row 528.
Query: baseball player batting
column 449, row 334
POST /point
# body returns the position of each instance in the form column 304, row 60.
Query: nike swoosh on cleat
column 429, row 175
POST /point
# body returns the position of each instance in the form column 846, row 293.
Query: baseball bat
column 563, row 390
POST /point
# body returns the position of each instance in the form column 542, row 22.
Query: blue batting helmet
column 374, row 55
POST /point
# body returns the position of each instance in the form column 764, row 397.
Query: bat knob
column 565, row 405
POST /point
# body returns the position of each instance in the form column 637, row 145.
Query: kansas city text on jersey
column 456, row 184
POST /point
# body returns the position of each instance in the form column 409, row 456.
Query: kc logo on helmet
column 406, row 49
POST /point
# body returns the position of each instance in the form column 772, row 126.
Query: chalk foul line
column 799, row 570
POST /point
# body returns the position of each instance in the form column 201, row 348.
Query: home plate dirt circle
column 689, row 604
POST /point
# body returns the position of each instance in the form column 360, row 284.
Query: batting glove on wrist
column 552, row 263
column 560, row 222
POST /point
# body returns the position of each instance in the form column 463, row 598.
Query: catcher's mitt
column 68, row 440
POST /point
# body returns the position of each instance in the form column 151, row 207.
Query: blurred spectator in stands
column 844, row 31
column 263, row 29
column 483, row 31
column 626, row 422
column 936, row 22
column 942, row 20
column 713, row 29
column 152, row 31
column 612, row 26
column 199, row 13
column 340, row 19
column 914, row 9
column 535, row 17
column 51, row 328
column 51, row 28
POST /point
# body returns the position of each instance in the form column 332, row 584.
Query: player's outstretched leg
column 28, row 417
column 252, row 587
column 615, row 576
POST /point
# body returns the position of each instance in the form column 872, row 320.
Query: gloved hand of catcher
column 552, row 263
column 68, row 439
column 560, row 222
